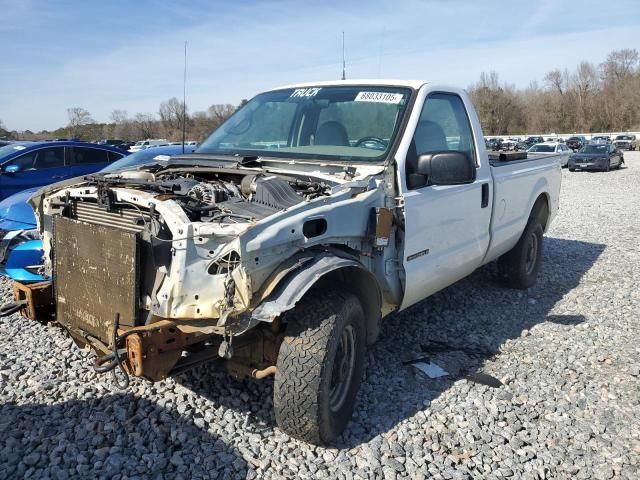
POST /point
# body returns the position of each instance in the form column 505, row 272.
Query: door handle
column 484, row 202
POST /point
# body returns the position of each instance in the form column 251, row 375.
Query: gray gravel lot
column 567, row 354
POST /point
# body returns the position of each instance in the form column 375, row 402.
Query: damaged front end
column 162, row 269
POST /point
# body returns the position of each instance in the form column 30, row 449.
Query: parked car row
column 593, row 156
column 575, row 142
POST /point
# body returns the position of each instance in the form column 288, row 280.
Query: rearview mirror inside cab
column 442, row 168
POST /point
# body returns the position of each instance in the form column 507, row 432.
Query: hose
column 109, row 362
column 11, row 308
column 114, row 341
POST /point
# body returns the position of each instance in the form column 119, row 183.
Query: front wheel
column 319, row 367
column 519, row 266
column 607, row 167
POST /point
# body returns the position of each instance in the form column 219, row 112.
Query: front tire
column 519, row 266
column 319, row 367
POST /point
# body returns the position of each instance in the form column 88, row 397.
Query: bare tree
column 173, row 114
column 123, row 126
column 620, row 64
column 498, row 106
column 78, row 117
column 146, row 125
column 119, row 116
column 220, row 112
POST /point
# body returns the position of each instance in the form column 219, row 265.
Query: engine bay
column 217, row 195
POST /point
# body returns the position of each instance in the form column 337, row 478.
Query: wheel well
column 365, row 287
column 540, row 210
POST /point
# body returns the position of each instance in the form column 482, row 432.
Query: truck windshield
column 322, row 123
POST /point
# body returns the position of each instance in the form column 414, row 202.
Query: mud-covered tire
column 305, row 399
column 517, row 267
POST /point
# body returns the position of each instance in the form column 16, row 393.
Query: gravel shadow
column 460, row 328
column 115, row 436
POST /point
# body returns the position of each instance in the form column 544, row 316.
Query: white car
column 149, row 142
column 552, row 148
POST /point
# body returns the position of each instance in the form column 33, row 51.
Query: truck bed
column 511, row 208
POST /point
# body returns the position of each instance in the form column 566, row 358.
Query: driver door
column 446, row 226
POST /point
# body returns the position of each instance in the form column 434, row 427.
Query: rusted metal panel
column 95, row 276
column 39, row 297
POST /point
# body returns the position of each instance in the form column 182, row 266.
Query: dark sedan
column 602, row 157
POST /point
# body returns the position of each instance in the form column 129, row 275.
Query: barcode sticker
column 379, row 97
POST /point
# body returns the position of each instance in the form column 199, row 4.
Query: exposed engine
column 213, row 196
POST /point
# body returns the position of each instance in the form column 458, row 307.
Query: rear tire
column 608, row 167
column 519, row 266
column 319, row 367
column 572, row 169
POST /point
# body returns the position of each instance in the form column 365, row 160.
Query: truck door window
column 444, row 126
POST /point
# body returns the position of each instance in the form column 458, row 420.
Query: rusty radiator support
column 39, row 300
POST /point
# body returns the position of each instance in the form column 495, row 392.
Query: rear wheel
column 519, row 267
column 320, row 366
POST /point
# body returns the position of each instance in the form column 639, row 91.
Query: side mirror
column 443, row 168
column 12, row 169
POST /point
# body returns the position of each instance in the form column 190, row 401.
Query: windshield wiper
column 249, row 160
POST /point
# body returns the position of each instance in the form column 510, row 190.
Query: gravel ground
column 566, row 354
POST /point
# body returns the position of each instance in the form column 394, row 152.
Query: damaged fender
column 296, row 284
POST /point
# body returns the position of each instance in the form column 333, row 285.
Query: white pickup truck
column 279, row 245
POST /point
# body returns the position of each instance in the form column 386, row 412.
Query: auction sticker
column 379, row 97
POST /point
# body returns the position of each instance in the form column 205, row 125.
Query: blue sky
column 129, row 54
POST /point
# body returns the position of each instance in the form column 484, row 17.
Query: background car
column 533, row 140
column 596, row 156
column 600, row 139
column 35, row 164
column 625, row 142
column 142, row 144
column 20, row 245
column 576, row 142
column 552, row 148
column 121, row 144
column 495, row 144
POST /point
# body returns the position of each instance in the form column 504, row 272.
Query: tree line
column 167, row 123
column 591, row 98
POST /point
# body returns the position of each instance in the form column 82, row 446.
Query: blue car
column 25, row 165
column 20, row 245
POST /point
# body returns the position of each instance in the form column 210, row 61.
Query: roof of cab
column 368, row 82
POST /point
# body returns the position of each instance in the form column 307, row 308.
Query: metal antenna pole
column 344, row 66
column 184, row 97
